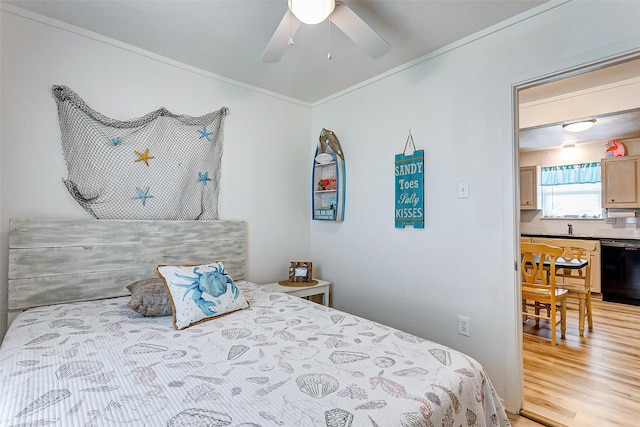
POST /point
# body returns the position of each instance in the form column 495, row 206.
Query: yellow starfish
column 143, row 157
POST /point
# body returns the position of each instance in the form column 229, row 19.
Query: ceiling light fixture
column 569, row 146
column 311, row 11
column 579, row 126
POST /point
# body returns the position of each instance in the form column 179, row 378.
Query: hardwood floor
column 589, row 381
column 518, row 421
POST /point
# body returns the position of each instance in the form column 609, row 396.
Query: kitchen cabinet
column 596, row 269
column 529, row 187
column 620, row 182
column 594, row 260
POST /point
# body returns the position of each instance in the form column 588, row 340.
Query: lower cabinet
column 594, row 261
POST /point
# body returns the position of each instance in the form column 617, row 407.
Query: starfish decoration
column 142, row 195
column 204, row 177
column 204, row 133
column 115, row 141
column 143, row 157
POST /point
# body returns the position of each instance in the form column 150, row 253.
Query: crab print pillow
column 200, row 292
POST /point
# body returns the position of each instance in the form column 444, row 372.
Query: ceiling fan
column 316, row 11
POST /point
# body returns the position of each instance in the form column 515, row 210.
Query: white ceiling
column 617, row 123
column 228, row 38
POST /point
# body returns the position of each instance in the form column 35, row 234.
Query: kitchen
column 611, row 97
column 607, row 214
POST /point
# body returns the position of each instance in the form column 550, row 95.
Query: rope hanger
column 409, row 139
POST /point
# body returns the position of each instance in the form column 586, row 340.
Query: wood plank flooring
column 519, row 421
column 592, row 381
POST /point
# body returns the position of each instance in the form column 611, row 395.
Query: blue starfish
column 115, row 141
column 143, row 195
column 204, row 133
column 204, row 177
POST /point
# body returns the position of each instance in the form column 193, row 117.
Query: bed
column 79, row 356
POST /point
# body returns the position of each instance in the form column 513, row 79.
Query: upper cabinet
column 620, row 182
column 529, row 187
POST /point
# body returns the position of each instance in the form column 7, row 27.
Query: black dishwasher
column 620, row 261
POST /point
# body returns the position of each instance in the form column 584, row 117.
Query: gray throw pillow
column 149, row 297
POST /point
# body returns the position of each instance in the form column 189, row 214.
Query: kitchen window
column 571, row 191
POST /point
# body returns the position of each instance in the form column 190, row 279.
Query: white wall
column 265, row 166
column 458, row 105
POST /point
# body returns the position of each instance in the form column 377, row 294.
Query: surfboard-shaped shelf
column 328, row 179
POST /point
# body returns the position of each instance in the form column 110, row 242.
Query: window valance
column 581, row 173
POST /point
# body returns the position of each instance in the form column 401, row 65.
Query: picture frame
column 331, row 203
column 300, row 271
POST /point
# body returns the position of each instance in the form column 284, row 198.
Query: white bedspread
column 283, row 362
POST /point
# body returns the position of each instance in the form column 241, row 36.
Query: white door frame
column 538, row 81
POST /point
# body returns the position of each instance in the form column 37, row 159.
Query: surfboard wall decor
column 328, row 179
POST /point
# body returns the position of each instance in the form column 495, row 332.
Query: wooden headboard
column 56, row 260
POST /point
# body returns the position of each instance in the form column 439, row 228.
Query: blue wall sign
column 409, row 205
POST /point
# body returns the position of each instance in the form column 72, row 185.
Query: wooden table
column 321, row 288
column 561, row 263
column 574, row 264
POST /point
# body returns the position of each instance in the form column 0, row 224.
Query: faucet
column 570, row 228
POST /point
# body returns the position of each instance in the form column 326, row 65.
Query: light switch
column 463, row 189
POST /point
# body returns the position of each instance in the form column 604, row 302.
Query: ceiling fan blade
column 280, row 39
column 359, row 31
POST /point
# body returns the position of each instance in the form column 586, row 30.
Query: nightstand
column 320, row 288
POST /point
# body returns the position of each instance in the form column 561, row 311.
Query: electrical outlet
column 464, row 326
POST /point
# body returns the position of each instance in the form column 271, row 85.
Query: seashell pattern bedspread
column 283, row 362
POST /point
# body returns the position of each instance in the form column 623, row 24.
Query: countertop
column 564, row 236
column 577, row 236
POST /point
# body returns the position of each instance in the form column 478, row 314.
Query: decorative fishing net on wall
column 160, row 166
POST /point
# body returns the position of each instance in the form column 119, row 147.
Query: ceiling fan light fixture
column 311, row 11
column 579, row 126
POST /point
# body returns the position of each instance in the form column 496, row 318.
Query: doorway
column 539, row 91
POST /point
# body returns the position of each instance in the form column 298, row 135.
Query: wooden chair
column 577, row 281
column 539, row 286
